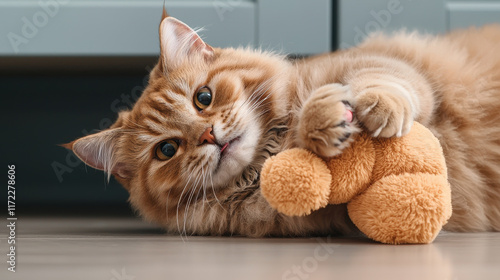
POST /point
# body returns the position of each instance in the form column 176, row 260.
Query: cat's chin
column 233, row 159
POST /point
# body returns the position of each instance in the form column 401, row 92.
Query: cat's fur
column 450, row 83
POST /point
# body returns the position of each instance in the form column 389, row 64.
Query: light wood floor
column 129, row 249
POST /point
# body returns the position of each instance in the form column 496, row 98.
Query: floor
column 124, row 248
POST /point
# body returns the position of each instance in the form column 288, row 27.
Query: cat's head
column 202, row 120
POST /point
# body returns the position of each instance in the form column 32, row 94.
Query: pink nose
column 207, row 137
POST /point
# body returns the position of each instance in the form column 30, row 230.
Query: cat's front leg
column 326, row 125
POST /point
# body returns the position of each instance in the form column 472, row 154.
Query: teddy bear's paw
column 385, row 112
column 326, row 125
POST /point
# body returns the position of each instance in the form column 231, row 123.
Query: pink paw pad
column 348, row 115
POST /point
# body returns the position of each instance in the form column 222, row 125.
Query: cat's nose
column 207, row 137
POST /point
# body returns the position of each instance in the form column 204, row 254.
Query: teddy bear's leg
column 407, row 208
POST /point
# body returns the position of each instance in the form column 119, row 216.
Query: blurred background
column 68, row 66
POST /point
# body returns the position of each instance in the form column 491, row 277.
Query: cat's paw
column 326, row 124
column 384, row 112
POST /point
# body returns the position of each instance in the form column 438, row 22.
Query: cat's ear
column 99, row 151
column 178, row 42
column 164, row 14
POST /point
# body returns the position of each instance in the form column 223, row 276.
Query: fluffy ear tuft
column 99, row 151
column 164, row 13
column 179, row 42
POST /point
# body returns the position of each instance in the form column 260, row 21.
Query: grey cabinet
column 358, row 18
column 130, row 27
column 463, row 14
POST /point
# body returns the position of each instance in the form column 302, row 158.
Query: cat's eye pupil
column 205, row 98
column 168, row 149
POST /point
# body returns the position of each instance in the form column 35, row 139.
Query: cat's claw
column 384, row 113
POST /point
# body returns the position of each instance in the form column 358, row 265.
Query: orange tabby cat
column 190, row 150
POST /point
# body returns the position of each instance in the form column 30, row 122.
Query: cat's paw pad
column 384, row 113
column 326, row 124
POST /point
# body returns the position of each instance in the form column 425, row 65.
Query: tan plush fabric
column 309, row 177
column 396, row 189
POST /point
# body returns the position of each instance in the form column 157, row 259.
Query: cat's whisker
column 255, row 107
column 257, row 104
column 166, row 202
column 215, row 195
column 196, row 200
column 257, row 90
column 203, row 188
column 253, row 98
column 204, row 197
column 186, row 207
column 261, row 88
column 206, row 174
column 190, row 198
column 180, row 200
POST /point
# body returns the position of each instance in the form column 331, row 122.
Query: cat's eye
column 166, row 150
column 203, row 98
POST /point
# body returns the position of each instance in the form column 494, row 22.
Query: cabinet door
column 116, row 27
column 463, row 14
column 359, row 18
column 295, row 26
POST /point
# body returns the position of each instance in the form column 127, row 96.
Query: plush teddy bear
column 396, row 189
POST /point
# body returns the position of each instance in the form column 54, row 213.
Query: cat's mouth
column 224, row 148
column 233, row 154
column 228, row 159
